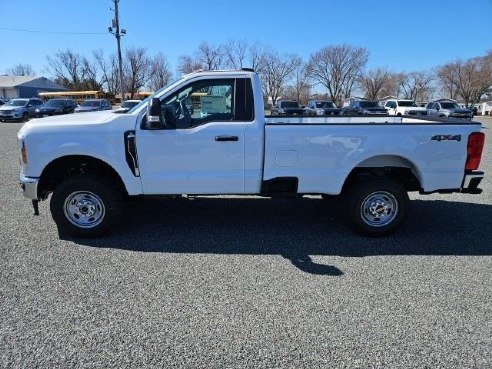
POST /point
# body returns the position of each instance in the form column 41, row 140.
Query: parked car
column 364, row 107
column 127, row 105
column 448, row 109
column 93, row 105
column 404, row 107
column 321, row 107
column 287, row 108
column 19, row 109
column 56, row 106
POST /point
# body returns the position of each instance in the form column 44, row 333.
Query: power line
column 52, row 32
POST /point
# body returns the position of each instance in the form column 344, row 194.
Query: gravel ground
column 246, row 283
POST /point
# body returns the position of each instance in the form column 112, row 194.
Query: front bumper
column 10, row 116
column 29, row 187
column 471, row 182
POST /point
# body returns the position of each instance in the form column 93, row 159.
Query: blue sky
column 400, row 35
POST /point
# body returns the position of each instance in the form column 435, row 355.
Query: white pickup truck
column 206, row 134
column 404, row 107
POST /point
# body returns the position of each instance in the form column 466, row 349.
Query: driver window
column 201, row 102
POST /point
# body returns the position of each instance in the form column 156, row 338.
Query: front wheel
column 86, row 206
column 377, row 206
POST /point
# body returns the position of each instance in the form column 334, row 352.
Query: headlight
column 37, row 110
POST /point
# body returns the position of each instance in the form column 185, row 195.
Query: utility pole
column 115, row 30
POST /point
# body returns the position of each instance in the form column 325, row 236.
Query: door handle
column 226, row 138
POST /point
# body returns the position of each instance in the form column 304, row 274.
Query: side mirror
column 154, row 115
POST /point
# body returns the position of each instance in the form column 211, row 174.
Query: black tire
column 376, row 206
column 86, row 206
column 25, row 117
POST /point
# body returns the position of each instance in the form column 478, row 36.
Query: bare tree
column 235, row 54
column 160, row 73
column 109, row 71
column 299, row 81
column 188, row 64
column 137, row 69
column 417, row 85
column 239, row 54
column 277, row 71
column 338, row 68
column 20, row 70
column 256, row 58
column 67, row 68
column 210, row 57
column 90, row 76
column 375, row 82
column 471, row 79
column 447, row 78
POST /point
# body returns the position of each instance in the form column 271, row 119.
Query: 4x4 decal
column 446, row 138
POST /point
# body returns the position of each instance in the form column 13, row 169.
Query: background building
column 12, row 87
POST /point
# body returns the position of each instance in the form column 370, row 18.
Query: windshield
column 369, row 104
column 450, row 106
column 289, row 104
column 55, row 103
column 325, row 104
column 129, row 104
column 91, row 103
column 406, row 103
column 145, row 101
column 17, row 102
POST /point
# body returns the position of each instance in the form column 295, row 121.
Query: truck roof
column 222, row 71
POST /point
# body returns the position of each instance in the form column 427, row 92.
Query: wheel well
column 68, row 166
column 402, row 175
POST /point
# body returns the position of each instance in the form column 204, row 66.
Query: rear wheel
column 86, row 206
column 376, row 206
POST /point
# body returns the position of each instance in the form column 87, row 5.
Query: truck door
column 204, row 153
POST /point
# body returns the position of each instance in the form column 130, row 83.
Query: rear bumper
column 471, row 181
column 29, row 187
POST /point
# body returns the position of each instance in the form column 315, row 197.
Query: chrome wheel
column 379, row 209
column 84, row 209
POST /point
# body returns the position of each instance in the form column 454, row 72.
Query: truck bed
column 322, row 151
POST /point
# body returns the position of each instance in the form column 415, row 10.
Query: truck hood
column 89, row 123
